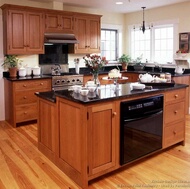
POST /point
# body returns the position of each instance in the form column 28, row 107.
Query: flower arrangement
column 95, row 62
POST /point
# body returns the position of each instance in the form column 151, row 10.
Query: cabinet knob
column 25, row 112
column 175, row 111
column 174, row 132
column 24, row 97
column 114, row 113
column 41, row 84
column 24, row 85
column 176, row 96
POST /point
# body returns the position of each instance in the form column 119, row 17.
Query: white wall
column 178, row 12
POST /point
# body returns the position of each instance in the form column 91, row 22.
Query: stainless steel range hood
column 60, row 38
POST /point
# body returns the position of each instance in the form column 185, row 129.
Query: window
column 155, row 45
column 109, row 44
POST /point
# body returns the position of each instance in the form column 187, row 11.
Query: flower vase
column 95, row 79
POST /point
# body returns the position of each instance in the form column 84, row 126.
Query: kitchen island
column 81, row 135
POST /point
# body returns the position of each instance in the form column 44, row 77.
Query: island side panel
column 72, row 141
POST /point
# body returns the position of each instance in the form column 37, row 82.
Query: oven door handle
column 152, row 114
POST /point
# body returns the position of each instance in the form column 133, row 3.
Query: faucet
column 56, row 69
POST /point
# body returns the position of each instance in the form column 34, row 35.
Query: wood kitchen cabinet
column 23, row 30
column 47, row 127
column 20, row 99
column 85, row 139
column 87, row 30
column 174, row 117
column 101, row 138
column 57, row 22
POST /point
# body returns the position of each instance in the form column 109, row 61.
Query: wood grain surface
column 22, row 165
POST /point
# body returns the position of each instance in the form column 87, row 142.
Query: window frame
column 159, row 24
column 118, row 40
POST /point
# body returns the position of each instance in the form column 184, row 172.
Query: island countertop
column 106, row 92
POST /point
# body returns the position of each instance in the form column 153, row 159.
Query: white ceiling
column 109, row 5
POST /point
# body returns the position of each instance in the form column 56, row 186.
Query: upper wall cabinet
column 23, row 30
column 63, row 23
column 87, row 29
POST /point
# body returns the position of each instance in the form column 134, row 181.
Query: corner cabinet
column 23, row 30
column 87, row 30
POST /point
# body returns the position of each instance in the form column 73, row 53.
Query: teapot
column 145, row 78
column 179, row 70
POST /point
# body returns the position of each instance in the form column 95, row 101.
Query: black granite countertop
column 28, row 78
column 106, row 92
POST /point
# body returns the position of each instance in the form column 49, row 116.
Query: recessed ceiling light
column 119, row 3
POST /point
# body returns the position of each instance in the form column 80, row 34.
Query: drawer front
column 175, row 95
column 26, row 113
column 35, row 84
column 25, row 97
column 174, row 133
column 174, row 112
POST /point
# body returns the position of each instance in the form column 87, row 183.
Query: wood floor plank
column 23, row 166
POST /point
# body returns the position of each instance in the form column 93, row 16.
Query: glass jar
column 168, row 77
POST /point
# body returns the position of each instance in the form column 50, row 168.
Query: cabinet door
column 94, row 35
column 101, row 137
column 16, row 26
column 35, row 33
column 80, row 26
column 59, row 23
column 24, row 32
column 88, row 35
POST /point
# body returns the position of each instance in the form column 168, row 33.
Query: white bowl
column 76, row 88
column 91, row 88
column 84, row 92
column 138, row 86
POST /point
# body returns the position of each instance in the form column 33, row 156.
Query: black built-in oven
column 141, row 127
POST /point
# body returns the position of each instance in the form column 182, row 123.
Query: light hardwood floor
column 23, row 166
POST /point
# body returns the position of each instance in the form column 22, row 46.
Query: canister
column 168, row 77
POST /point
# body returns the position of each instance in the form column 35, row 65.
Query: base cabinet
column 87, row 135
column 174, row 117
column 20, row 99
column 101, row 138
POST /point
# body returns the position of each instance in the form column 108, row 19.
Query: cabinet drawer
column 25, row 113
column 37, row 84
column 174, row 112
column 25, row 97
column 174, row 133
column 175, row 95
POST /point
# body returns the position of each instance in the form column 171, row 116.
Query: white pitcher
column 179, row 70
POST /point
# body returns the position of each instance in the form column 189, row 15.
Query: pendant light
column 143, row 24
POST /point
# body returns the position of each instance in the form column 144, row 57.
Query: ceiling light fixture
column 143, row 27
column 119, row 3
column 143, row 24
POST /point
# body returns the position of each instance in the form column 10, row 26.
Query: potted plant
column 138, row 65
column 124, row 60
column 11, row 63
